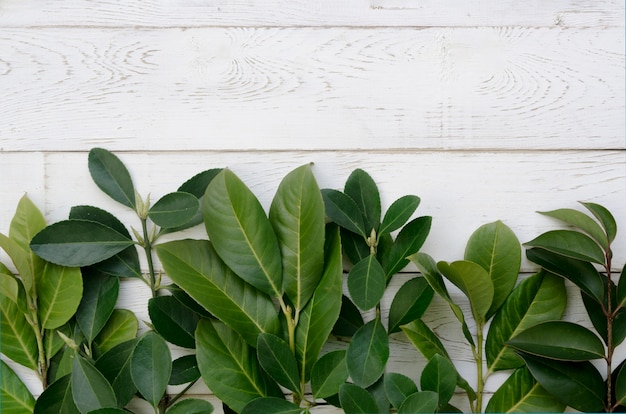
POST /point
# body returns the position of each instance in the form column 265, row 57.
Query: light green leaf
column 115, row 367
column 151, row 367
column 581, row 221
column 122, row 326
column 399, row 213
column 59, row 290
column 420, row 402
column 111, row 176
column 278, row 361
column 361, row 188
column 271, row 405
column 90, row 389
column 368, row 353
column 174, row 210
column 344, row 211
column 297, row 216
column 356, row 400
column 12, row 288
column 474, row 282
column 195, row 267
column 366, row 283
column 571, row 244
column 242, row 234
column 229, row 366
column 57, row 398
column 329, row 373
column 605, row 217
column 439, row 376
column 14, row 396
column 175, row 322
column 97, row 304
column 409, row 303
column 191, row 406
column 16, row 335
column 410, row 239
column 398, row 387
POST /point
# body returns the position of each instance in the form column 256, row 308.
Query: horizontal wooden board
column 182, row 13
column 312, row 88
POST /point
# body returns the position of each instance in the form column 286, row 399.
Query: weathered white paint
column 487, row 110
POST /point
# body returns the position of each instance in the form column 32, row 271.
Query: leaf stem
column 479, row 367
column 610, row 346
column 147, row 245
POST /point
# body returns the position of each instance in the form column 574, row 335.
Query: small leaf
column 97, row 304
column 621, row 288
column 474, row 282
column 184, row 370
column 368, row 353
column 191, row 406
column 439, row 376
column 271, row 405
column 90, row 389
column 278, row 361
column 115, row 366
column 420, row 402
column 151, row 367
column 398, row 387
column 350, row 319
column 329, row 373
column 344, row 211
column 175, row 322
column 409, row 303
column 14, row 396
column 399, row 213
column 424, row 339
column 196, row 185
column 16, row 335
column 356, row 400
column 111, row 176
column 121, row 326
column 57, row 398
column 581, row 221
column 410, row 239
column 571, row 244
column 361, row 188
column 174, row 210
column 366, row 283
column 605, row 217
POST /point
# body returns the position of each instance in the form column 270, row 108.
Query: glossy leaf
column 398, row 387
column 115, row 367
column 175, row 322
column 410, row 239
column 581, row 273
column 344, row 211
column 620, row 387
column 278, row 361
column 15, row 398
column 77, row 243
column 520, row 393
column 57, row 398
column 197, row 184
column 420, row 402
column 191, row 406
column 474, row 282
column 271, row 405
column 319, row 316
column 571, row 244
column 111, row 176
column 581, row 221
column 440, row 377
column 195, row 267
column 356, row 400
column 540, row 298
column 229, row 366
column 174, row 210
column 184, row 298
column 97, row 304
column 184, row 370
column 595, row 311
column 495, row 247
column 361, row 188
column 354, row 246
column 151, row 367
column 424, row 339
column 242, row 234
column 16, row 335
column 329, row 373
column 368, row 353
column 350, row 319
column 297, row 216
column 121, row 326
column 90, row 389
column 366, row 283
column 605, row 217
column 409, row 303
column 399, row 213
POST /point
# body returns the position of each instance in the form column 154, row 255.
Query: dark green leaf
column 350, row 319
column 61, row 364
column 474, row 282
column 398, row 213
column 57, row 398
column 398, row 387
column 596, row 313
column 621, row 288
column 151, row 367
column 420, row 402
column 191, row 406
column 241, row 233
column 439, row 376
column 377, row 390
column 271, row 405
column 344, row 211
column 354, row 246
column 184, row 370
column 111, row 176
column 409, row 303
column 115, row 366
column 361, row 188
column 174, row 210
column 97, row 304
column 175, row 322
column 90, row 389
column 184, row 298
column 196, row 185
column 424, row 339
column 571, row 244
column 368, row 353
column 409, row 241
column 229, row 366
column 110, row 411
column 581, row 221
column 14, row 396
column 278, row 361
column 91, row 213
column 16, row 335
column 356, row 400
column 605, row 217
column 620, row 388
column 122, row 326
column 366, row 283
column 329, row 373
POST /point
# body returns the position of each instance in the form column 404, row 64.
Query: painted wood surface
column 487, row 110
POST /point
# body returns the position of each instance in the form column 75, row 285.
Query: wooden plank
column 424, row 13
column 311, row 88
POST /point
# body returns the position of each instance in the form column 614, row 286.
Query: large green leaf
column 520, row 393
column 78, row 243
column 151, row 367
column 97, row 304
column 368, row 353
column 560, row 340
column 399, row 213
column 278, row 361
column 16, row 335
column 539, row 298
column 174, row 210
column 191, row 406
column 121, row 326
column 409, row 303
column 582, row 221
column 14, row 396
column 420, row 402
column 59, row 291
column 366, row 283
column 175, row 322
column 271, row 405
column 571, row 244
column 111, row 176
column 495, row 247
column 398, row 387
column 57, row 398
column 361, row 188
column 319, row 316
column 329, row 373
column 90, row 389
column 410, row 239
column 184, row 370
column 605, row 217
column 241, row 233
column 356, row 400
column 195, row 267
column 577, row 384
column 115, row 366
column 474, row 282
column 439, row 376
column 229, row 366
column 297, row 216
column 344, row 211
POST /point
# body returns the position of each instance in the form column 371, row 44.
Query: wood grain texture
column 286, row 13
column 312, row 88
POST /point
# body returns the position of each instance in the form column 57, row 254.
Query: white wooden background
column 485, row 109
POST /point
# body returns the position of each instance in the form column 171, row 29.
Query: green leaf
column 350, row 319
column 596, row 314
column 474, row 282
column 175, row 322
column 319, row 316
column 297, row 216
column 61, row 365
column 368, row 353
column 399, row 213
column 520, row 393
column 229, row 366
column 621, row 288
column 540, row 298
column 111, row 176
column 581, row 273
column 420, row 402
column 110, row 411
column 151, row 367
column 242, row 234
column 271, row 405
column 361, row 188
column 59, row 292
column 121, row 326
column 97, row 304
column 560, row 340
column 16, row 335
column 174, row 210
column 12, row 288
column 14, row 396
column 356, row 400
column 184, row 370
column 354, row 246
column 57, row 398
column 398, row 387
column 582, row 221
column 439, row 376
column 409, row 303
column 495, row 247
column 570, row 244
column 191, row 406
column 410, row 239
column 344, row 211
column 366, row 283
column 278, row 361
column 115, row 367
column 184, row 298
column 377, row 390
column 90, row 389
column 195, row 267
column 605, row 217
column 77, row 243
column 329, row 373
column 424, row 339
column 577, row 384
column 620, row 388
